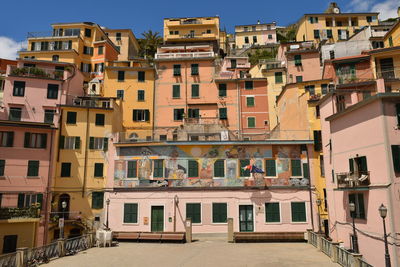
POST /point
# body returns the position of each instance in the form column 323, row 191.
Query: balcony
column 272, row 64
column 194, row 21
column 388, row 74
column 12, row 213
column 357, row 179
column 351, row 79
column 50, row 34
column 91, row 102
column 184, row 55
column 34, row 72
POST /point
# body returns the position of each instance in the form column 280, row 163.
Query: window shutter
column 193, row 168
column 132, row 169
column 91, row 142
column 222, row 89
column 147, row 115
column 351, row 165
column 270, row 167
column 219, row 168
column 21, row 200
column 39, row 199
column 360, row 206
column 105, row 145
column 398, row 113
column 44, row 141
column 27, row 139
column 329, row 33
column 223, row 114
column 298, row 212
column 316, row 34
column 305, row 171
column 219, row 212
column 296, row 167
column 77, row 142
column 244, row 163
column 176, row 91
column 363, row 164
column 10, row 139
column 272, row 212
column 2, row 167
column 135, row 115
column 396, row 158
column 98, row 170
column 62, row 141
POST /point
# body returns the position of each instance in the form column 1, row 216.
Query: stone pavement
column 201, row 253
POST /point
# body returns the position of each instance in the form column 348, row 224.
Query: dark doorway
column 10, row 243
column 246, row 221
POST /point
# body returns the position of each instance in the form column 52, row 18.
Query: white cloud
column 9, row 47
column 387, row 9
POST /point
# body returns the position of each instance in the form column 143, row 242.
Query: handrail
column 9, row 259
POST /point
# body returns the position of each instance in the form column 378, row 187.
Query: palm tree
column 149, row 43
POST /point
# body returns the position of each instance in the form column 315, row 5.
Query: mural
column 175, row 166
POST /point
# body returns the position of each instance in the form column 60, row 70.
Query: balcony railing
column 389, row 74
column 49, row 34
column 349, row 79
column 202, row 120
column 353, row 179
column 37, row 72
column 91, row 103
column 11, row 213
column 184, row 55
column 184, row 22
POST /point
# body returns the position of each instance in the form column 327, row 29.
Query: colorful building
column 125, row 41
column 255, row 35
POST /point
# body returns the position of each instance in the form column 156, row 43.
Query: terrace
column 37, row 72
column 357, row 179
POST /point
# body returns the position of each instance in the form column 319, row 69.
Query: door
column 157, row 218
column 246, row 221
column 10, row 243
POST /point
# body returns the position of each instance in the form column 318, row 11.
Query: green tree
column 257, row 54
column 149, row 43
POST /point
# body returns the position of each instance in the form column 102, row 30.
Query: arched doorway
column 64, row 212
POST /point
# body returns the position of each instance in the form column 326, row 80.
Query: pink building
column 28, row 124
column 361, row 148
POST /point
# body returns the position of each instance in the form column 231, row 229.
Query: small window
column 97, row 200
column 251, row 122
column 35, row 140
column 66, row 169
column 52, row 91
column 270, row 36
column 317, row 141
column 15, row 114
column 88, row 32
column 396, row 158
column 118, row 36
column 297, row 60
column 316, row 34
column 2, row 168
column 19, row 88
column 141, row 76
column 130, row 213
column 98, row 143
column 195, row 69
column 177, row 70
column 140, row 95
column 310, row 89
column 121, row 76
column 132, row 169
column 270, row 167
column 329, row 34
column 193, row 211
column 100, row 118
column 248, row 85
column 100, row 50
column 158, row 168
column 69, row 142
column 219, row 212
column 194, row 113
column 71, row 117
column 250, row 101
column 208, row 31
column 49, row 115
column 219, row 168
column 176, row 91
column 272, row 213
column 222, row 90
column 246, row 40
column 324, row 89
column 163, row 137
column 223, row 113
column 299, row 79
column 298, row 212
column 141, row 115
column 120, row 94
column 254, row 39
column 278, row 77
column 391, row 41
column 195, row 90
column 33, row 168
column 55, row 58
column 98, row 169
column 6, row 139
column 178, row 114
column 296, row 167
column 193, row 169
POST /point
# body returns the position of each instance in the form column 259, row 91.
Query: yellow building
column 333, row 26
column 18, row 232
column 298, row 114
column 392, row 37
column 255, row 34
column 82, row 159
column 84, row 44
column 133, row 83
column 125, row 41
column 386, row 65
column 275, row 73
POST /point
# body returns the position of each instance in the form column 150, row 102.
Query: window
column 132, row 169
column 343, row 34
column 369, row 19
column 35, row 140
column 306, row 173
column 270, row 168
column 251, row 122
column 176, row 91
column 97, row 200
column 19, row 88
column 270, row 36
column 321, row 165
column 27, row 200
column 317, row 141
column 71, row 117
column 329, row 34
column 208, row 31
column 194, row 113
column 52, row 91
column 118, row 36
column 324, row 89
column 158, row 168
column 98, row 143
column 195, row 90
column 98, row 169
column 87, row 50
column 121, row 75
column 120, row 94
column 100, row 50
column 358, row 200
column 391, row 41
column 195, row 69
column 2, row 167
column 298, row 212
column 6, row 139
column 219, row 212
column 193, row 211
column 248, row 85
column 177, row 70
column 223, row 113
column 297, row 60
column 86, row 67
column 140, row 95
column 88, row 32
column 193, row 168
column 15, row 114
column 222, row 90
column 313, row 20
column 316, row 34
column 70, row 142
column 163, row 137
column 361, row 164
column 141, row 115
column 310, row 89
column 233, row 63
column 118, row 48
column 278, row 77
column 254, row 39
column 194, row 138
column 55, row 58
column 66, row 169
column 49, row 115
column 176, row 32
column 219, row 168
column 272, row 212
column 246, row 40
column 250, row 101
column 299, row 79
column 178, row 114
column 296, row 167
column 396, row 158
column 244, row 163
column 130, row 213
column 33, row 168
column 317, row 112
column 141, row 76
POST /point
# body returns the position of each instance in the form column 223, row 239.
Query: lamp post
column 108, row 204
column 319, row 215
column 64, row 206
column 176, row 201
column 383, row 213
column 352, row 207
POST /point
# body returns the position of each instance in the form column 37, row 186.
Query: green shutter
column 158, row 168
column 298, row 211
column 21, row 200
column 250, row 101
column 62, row 141
column 91, row 142
column 130, row 213
column 71, row 117
column 77, row 142
column 195, row 69
column 223, row 114
column 193, row 211
column 65, row 169
column 176, row 91
column 363, row 164
column 396, row 158
column 251, row 122
column 297, row 60
column 10, row 139
column 33, row 168
column 296, row 167
column 270, row 167
column 219, row 212
column 2, row 167
column 39, row 199
column 219, row 168
column 248, row 85
column 222, row 89
column 244, row 163
column 278, row 77
column 132, row 169
column 316, row 34
column 27, row 139
column 329, row 33
column 44, row 141
column 398, row 113
column 195, row 90
column 351, row 165
column 360, row 206
column 177, row 70
column 272, row 213
column 97, row 200
column 306, row 171
column 193, row 168
column 99, row 119
column 105, row 145
column 98, row 170
column 141, row 76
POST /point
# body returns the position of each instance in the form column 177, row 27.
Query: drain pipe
column 309, row 187
column 86, row 153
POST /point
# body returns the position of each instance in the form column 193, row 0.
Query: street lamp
column 383, row 213
column 176, row 201
column 352, row 208
column 64, row 206
column 319, row 202
column 108, row 204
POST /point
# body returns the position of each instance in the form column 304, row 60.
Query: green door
column 157, row 218
column 246, row 220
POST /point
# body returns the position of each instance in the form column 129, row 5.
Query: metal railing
column 326, row 247
column 92, row 103
column 77, row 244
column 8, row 260
column 388, row 74
column 48, row 252
column 353, row 179
column 37, row 72
column 47, row 34
column 343, row 256
column 184, row 55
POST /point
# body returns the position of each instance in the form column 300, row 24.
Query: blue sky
column 22, row 16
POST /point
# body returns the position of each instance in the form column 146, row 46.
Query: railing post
column 188, row 228
column 356, row 260
column 309, row 236
column 230, row 230
column 21, row 257
column 61, row 247
column 319, row 241
column 334, row 254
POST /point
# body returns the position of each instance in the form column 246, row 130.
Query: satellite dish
column 336, row 10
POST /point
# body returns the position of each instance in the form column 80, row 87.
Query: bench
column 268, row 237
column 150, row 236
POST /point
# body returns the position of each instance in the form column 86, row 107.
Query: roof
column 393, row 27
column 255, row 24
column 194, row 17
column 27, row 124
column 342, row 14
column 349, row 59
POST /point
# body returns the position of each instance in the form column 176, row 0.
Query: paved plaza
column 201, row 253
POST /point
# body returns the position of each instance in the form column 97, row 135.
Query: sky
column 23, row 16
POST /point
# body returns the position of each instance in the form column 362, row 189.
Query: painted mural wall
column 140, row 172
